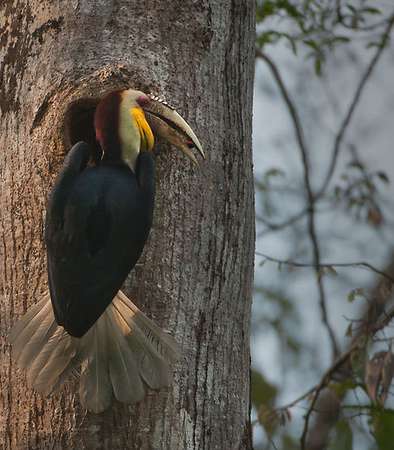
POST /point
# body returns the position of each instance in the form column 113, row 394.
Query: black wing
column 96, row 228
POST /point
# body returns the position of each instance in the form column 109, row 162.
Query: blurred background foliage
column 323, row 145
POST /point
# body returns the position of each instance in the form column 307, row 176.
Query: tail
column 122, row 353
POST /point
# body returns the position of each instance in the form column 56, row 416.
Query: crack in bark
column 41, row 112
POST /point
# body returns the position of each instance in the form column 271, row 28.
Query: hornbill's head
column 128, row 122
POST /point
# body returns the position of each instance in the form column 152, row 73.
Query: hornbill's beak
column 166, row 123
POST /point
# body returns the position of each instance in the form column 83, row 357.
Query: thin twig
column 371, row 407
column 272, row 442
column 297, row 400
column 356, row 99
column 355, row 264
column 290, row 221
column 290, row 105
column 319, row 279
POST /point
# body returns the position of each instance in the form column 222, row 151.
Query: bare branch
column 298, row 399
column 308, row 187
column 319, row 279
column 289, row 103
column 356, row 264
column 279, row 226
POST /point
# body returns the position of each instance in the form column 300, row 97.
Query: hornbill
column 97, row 222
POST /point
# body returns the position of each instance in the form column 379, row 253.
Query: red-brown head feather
column 106, row 123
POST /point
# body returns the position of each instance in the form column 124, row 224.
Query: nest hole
column 79, row 125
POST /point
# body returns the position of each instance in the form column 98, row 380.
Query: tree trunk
column 195, row 277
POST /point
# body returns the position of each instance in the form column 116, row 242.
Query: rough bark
column 196, row 273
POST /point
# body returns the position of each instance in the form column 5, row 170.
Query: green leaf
column 263, row 392
column 293, row 344
column 371, row 10
column 358, row 292
column 311, row 43
column 373, row 45
column 343, row 437
column 264, row 39
column 318, row 66
column 341, row 388
column 384, row 177
column 288, row 7
column 274, row 172
column 293, row 45
column 383, row 426
column 266, row 9
column 289, row 443
column 340, row 39
column 352, row 8
column 351, row 296
column 355, row 164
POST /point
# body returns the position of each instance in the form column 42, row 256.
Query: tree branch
column 290, row 105
column 360, row 264
column 308, row 187
column 279, row 226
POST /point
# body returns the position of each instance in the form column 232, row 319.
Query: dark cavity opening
column 79, row 125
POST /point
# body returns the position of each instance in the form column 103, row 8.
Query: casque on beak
column 167, row 124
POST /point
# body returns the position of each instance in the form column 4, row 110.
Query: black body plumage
column 98, row 220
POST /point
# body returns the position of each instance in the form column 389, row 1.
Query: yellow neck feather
column 147, row 139
column 134, row 133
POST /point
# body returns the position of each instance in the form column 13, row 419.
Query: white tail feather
column 152, row 351
column 122, row 350
column 26, row 330
column 56, row 364
column 123, row 368
column 95, row 387
column 21, row 325
column 42, row 335
column 162, row 343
